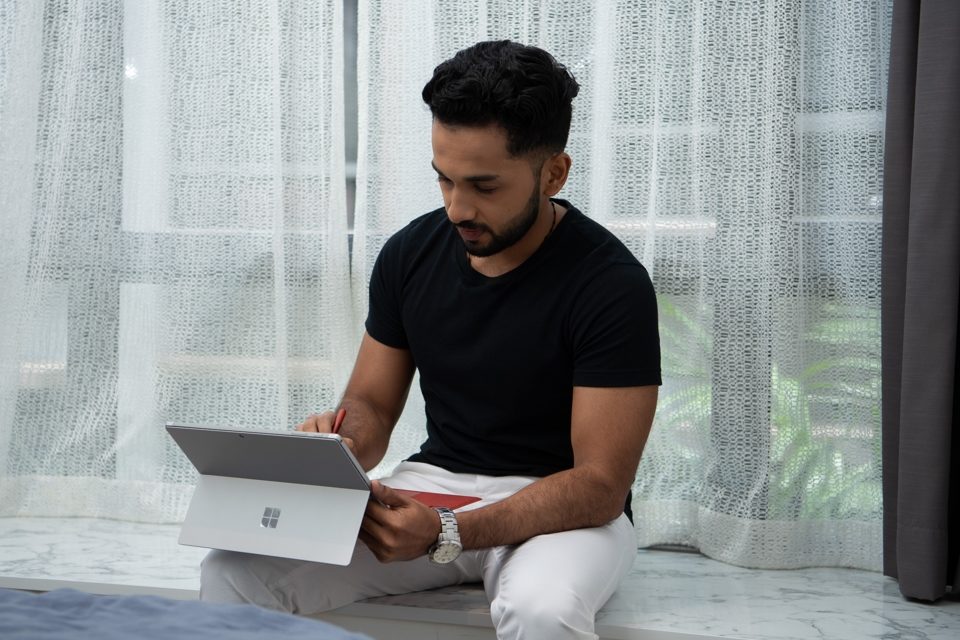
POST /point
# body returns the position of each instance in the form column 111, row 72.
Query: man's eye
column 486, row 189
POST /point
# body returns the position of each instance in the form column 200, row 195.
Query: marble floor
column 670, row 595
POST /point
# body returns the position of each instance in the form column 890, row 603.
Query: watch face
column 445, row 552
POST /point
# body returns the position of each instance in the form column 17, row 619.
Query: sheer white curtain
column 175, row 239
column 736, row 148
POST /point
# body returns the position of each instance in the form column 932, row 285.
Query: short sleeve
column 616, row 341
column 384, row 318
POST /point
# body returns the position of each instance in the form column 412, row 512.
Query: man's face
column 492, row 198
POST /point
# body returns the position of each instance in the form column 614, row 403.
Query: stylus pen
column 341, row 414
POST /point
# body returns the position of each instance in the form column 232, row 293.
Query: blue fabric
column 67, row 613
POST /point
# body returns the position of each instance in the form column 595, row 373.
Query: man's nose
column 460, row 207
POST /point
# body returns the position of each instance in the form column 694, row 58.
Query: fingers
column 383, row 504
column 391, row 541
column 380, row 552
column 396, row 527
column 382, row 539
column 350, row 445
column 318, row 423
column 387, row 496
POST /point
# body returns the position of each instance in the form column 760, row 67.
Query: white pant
column 549, row 587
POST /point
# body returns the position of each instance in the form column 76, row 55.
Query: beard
column 516, row 229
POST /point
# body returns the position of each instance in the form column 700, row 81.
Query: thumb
column 350, row 444
column 387, row 496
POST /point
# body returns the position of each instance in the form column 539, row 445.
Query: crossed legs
column 549, row 587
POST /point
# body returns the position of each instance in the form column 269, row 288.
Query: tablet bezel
column 320, row 459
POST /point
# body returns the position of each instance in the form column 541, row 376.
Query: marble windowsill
column 668, row 594
column 97, row 556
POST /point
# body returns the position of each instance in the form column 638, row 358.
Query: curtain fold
column 921, row 292
column 736, row 149
column 173, row 195
column 21, row 32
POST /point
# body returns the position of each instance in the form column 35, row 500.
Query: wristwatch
column 448, row 547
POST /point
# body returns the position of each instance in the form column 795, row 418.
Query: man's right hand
column 323, row 423
column 373, row 400
column 318, row 423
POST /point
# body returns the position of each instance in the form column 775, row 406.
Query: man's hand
column 397, row 527
column 318, row 423
column 323, row 423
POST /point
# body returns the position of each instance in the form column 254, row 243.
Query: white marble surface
column 668, row 596
column 98, row 556
column 694, row 594
column 684, row 595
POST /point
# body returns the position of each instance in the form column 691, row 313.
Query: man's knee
column 226, row 576
column 219, row 580
column 295, row 586
column 548, row 612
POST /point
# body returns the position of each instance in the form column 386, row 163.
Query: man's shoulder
column 420, row 231
column 425, row 224
column 599, row 268
column 423, row 243
column 593, row 243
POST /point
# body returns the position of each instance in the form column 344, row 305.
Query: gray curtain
column 921, row 288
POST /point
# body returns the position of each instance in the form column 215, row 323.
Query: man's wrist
column 437, row 529
column 448, row 546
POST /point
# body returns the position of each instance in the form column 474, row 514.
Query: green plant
column 821, row 468
column 824, row 448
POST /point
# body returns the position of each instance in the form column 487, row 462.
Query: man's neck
column 512, row 257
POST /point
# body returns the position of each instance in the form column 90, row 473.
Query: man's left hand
column 397, row 527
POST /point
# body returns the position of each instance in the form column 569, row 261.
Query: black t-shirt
column 499, row 357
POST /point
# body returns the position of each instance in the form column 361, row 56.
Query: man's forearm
column 572, row 499
column 368, row 430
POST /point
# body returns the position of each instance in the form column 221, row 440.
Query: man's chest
column 504, row 329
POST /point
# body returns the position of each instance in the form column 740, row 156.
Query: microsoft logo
column 270, row 517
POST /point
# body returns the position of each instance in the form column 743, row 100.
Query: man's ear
column 554, row 173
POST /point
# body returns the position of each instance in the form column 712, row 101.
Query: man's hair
column 522, row 89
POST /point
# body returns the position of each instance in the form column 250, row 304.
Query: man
column 535, row 333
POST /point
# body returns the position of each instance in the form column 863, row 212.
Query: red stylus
column 341, row 414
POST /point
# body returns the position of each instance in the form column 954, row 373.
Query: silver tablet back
column 278, row 493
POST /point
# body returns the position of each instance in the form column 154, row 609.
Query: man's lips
column 470, row 234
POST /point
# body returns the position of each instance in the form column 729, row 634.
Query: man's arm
column 609, row 430
column 373, row 400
